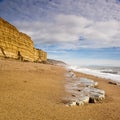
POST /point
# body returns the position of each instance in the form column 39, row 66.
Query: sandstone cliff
column 15, row 44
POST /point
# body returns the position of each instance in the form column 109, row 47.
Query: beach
column 34, row 91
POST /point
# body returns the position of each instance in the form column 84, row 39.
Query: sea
column 108, row 72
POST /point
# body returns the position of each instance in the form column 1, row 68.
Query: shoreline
column 102, row 73
column 83, row 90
column 34, row 91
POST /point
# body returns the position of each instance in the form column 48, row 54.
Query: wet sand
column 33, row 91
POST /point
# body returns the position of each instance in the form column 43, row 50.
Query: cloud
column 45, row 10
column 98, row 10
column 100, row 62
column 67, row 30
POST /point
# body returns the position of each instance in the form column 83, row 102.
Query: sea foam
column 107, row 72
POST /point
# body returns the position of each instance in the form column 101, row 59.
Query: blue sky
column 79, row 32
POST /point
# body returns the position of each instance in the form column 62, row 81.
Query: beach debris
column 114, row 83
column 83, row 91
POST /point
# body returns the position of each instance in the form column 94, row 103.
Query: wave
column 111, row 73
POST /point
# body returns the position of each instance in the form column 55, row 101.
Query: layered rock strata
column 15, row 44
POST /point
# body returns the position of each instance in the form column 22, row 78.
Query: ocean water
column 107, row 72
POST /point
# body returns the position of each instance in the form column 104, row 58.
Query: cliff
column 15, row 44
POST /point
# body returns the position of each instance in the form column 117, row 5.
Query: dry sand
column 33, row 91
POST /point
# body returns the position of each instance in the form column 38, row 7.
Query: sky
column 79, row 32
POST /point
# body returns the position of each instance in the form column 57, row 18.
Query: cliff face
column 15, row 44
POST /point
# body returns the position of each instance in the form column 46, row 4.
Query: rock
column 79, row 90
column 71, row 104
column 79, row 103
column 74, row 95
column 95, row 84
column 95, row 90
column 84, row 99
column 88, row 82
column 92, row 100
column 113, row 83
column 17, row 45
column 72, row 75
column 95, row 94
column 118, row 84
column 96, row 97
column 83, row 91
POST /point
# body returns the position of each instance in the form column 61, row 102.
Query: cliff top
column 2, row 21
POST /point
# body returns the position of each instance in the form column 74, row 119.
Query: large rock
column 15, row 44
column 95, row 94
column 82, row 90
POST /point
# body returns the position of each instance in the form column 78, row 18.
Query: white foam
column 114, row 77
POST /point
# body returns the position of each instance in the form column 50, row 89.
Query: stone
column 71, row 74
column 79, row 103
column 92, row 100
column 73, row 95
column 72, row 104
column 18, row 45
column 118, row 83
column 88, row 82
column 95, row 84
column 83, row 91
column 95, row 94
column 114, row 83
column 94, row 90
column 83, row 100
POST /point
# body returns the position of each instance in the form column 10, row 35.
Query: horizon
column 78, row 32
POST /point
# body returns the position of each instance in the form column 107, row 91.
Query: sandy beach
column 34, row 91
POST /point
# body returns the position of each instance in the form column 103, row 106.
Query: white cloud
column 100, row 62
column 46, row 9
column 66, row 31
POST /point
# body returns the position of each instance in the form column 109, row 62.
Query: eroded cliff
column 15, row 44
